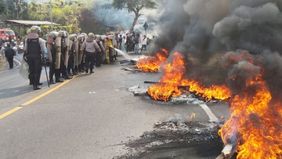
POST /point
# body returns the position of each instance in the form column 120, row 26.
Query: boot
column 35, row 87
column 75, row 71
column 58, row 78
column 52, row 81
column 67, row 77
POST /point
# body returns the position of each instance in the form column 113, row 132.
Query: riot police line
column 66, row 55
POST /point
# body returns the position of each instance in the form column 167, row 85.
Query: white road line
column 209, row 112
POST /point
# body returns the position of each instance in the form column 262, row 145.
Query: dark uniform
column 71, row 66
column 101, row 54
column 63, row 55
column 64, row 58
column 34, row 56
column 52, row 64
column 9, row 54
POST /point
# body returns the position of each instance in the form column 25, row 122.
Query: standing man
column 34, row 52
column 72, row 54
column 100, row 55
column 51, row 47
column 58, row 58
column 144, row 43
column 81, row 39
column 109, row 45
column 91, row 48
column 120, row 41
column 65, row 54
column 9, row 54
column 136, row 43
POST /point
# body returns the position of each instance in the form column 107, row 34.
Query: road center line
column 13, row 110
column 45, row 94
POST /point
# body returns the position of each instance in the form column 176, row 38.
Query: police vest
column 33, row 48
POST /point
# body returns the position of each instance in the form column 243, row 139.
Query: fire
column 219, row 92
column 169, row 84
column 152, row 64
column 173, row 83
column 255, row 123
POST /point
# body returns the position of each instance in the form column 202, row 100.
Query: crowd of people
column 68, row 55
column 133, row 42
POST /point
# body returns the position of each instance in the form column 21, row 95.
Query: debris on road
column 176, row 139
column 138, row 91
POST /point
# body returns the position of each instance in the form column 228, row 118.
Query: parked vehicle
column 7, row 35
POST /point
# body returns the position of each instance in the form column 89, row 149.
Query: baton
column 47, row 77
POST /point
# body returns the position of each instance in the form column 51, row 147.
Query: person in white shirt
column 91, row 48
column 144, row 42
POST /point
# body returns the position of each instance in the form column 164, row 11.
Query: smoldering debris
column 176, row 139
column 187, row 98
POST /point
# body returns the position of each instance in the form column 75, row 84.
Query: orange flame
column 173, row 83
column 152, row 64
column 255, row 122
column 169, row 83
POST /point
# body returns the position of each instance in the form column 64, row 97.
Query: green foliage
column 2, row 7
column 13, row 9
column 65, row 14
column 135, row 6
column 72, row 15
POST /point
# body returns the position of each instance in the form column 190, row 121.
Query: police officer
column 81, row 56
column 91, row 48
column 34, row 52
column 72, row 55
column 9, row 54
column 100, row 55
column 64, row 54
column 51, row 47
column 58, row 60
column 76, row 54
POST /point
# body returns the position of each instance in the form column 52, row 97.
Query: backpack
column 33, row 48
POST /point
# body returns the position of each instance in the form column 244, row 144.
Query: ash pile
column 177, row 139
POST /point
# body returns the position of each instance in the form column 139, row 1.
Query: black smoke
column 213, row 33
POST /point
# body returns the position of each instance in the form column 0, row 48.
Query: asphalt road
column 87, row 118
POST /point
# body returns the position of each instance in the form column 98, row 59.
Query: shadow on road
column 13, row 92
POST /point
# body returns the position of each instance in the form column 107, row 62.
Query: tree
column 2, row 7
column 15, row 9
column 135, row 6
column 64, row 13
